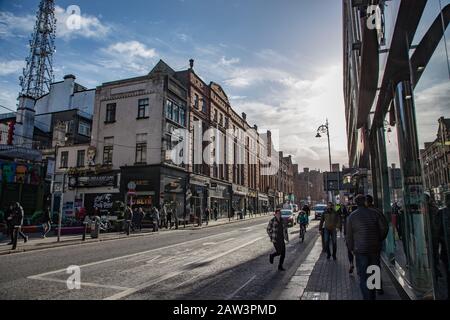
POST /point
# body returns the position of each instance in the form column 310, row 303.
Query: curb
column 80, row 242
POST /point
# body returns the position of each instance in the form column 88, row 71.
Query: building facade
column 392, row 49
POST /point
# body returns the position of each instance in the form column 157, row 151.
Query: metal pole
column 330, row 193
column 61, row 207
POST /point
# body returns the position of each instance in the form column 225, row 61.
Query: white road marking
column 83, row 284
column 131, row 255
column 240, row 288
column 131, row 291
column 190, row 279
column 220, row 242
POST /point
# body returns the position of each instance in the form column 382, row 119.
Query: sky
column 279, row 61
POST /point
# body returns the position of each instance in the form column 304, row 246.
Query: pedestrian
column 445, row 249
column 9, row 216
column 306, row 209
column 169, row 219
column 17, row 221
column 156, row 218
column 351, row 257
column 163, row 216
column 329, row 223
column 278, row 234
column 365, row 231
column 207, row 213
column 140, row 218
column 46, row 222
column 128, row 218
column 216, row 213
column 437, row 233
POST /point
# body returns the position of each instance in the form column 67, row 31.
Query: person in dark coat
column 9, row 216
column 329, row 223
column 207, row 213
column 46, row 222
column 278, row 234
column 365, row 233
column 17, row 221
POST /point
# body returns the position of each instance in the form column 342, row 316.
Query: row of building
column 165, row 137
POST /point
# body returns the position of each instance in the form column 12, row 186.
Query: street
column 218, row 263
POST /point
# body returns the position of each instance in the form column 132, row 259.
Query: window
column 204, row 105
column 108, row 150
column 80, row 158
column 221, row 119
column 141, row 148
column 143, row 108
column 176, row 113
column 215, row 115
column 110, row 112
column 196, row 101
column 84, row 129
column 64, row 159
column 183, row 117
column 169, row 109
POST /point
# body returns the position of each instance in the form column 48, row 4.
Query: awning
column 15, row 152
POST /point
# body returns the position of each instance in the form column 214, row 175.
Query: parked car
column 288, row 217
column 319, row 209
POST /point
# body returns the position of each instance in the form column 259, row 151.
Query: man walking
column 207, row 213
column 46, row 222
column 365, row 232
column 278, row 234
column 17, row 221
column 329, row 222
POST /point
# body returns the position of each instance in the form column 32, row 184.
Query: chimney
column 244, row 116
column 255, row 127
column 191, row 63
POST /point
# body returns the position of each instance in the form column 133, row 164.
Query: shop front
column 197, row 196
column 90, row 192
column 23, row 183
column 263, row 203
column 220, row 198
column 252, row 202
column 173, row 191
column 139, row 187
column 272, row 200
column 239, row 200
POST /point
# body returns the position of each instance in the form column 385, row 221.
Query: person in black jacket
column 46, row 222
column 278, row 234
column 365, row 233
column 17, row 221
column 9, row 216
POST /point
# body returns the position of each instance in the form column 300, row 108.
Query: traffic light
column 11, row 128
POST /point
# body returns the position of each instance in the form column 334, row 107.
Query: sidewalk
column 35, row 242
column 321, row 279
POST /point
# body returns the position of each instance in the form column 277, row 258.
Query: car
column 319, row 209
column 288, row 217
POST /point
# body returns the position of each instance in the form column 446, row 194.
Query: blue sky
column 280, row 61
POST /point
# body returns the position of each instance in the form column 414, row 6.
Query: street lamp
column 325, row 129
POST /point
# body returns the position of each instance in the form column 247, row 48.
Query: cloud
column 129, row 56
column 11, row 67
column 12, row 25
column 89, row 26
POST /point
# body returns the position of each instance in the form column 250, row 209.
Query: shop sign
column 103, row 201
column 93, row 181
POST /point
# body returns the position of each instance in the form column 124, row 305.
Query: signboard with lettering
column 93, row 181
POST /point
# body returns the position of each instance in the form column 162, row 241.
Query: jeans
column 330, row 235
column 47, row 227
column 280, row 250
column 363, row 261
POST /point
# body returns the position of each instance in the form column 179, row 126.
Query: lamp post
column 325, row 129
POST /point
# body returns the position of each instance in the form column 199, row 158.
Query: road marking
column 132, row 255
column 191, row 279
column 231, row 250
column 85, row 284
column 213, row 243
column 131, row 291
column 240, row 288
